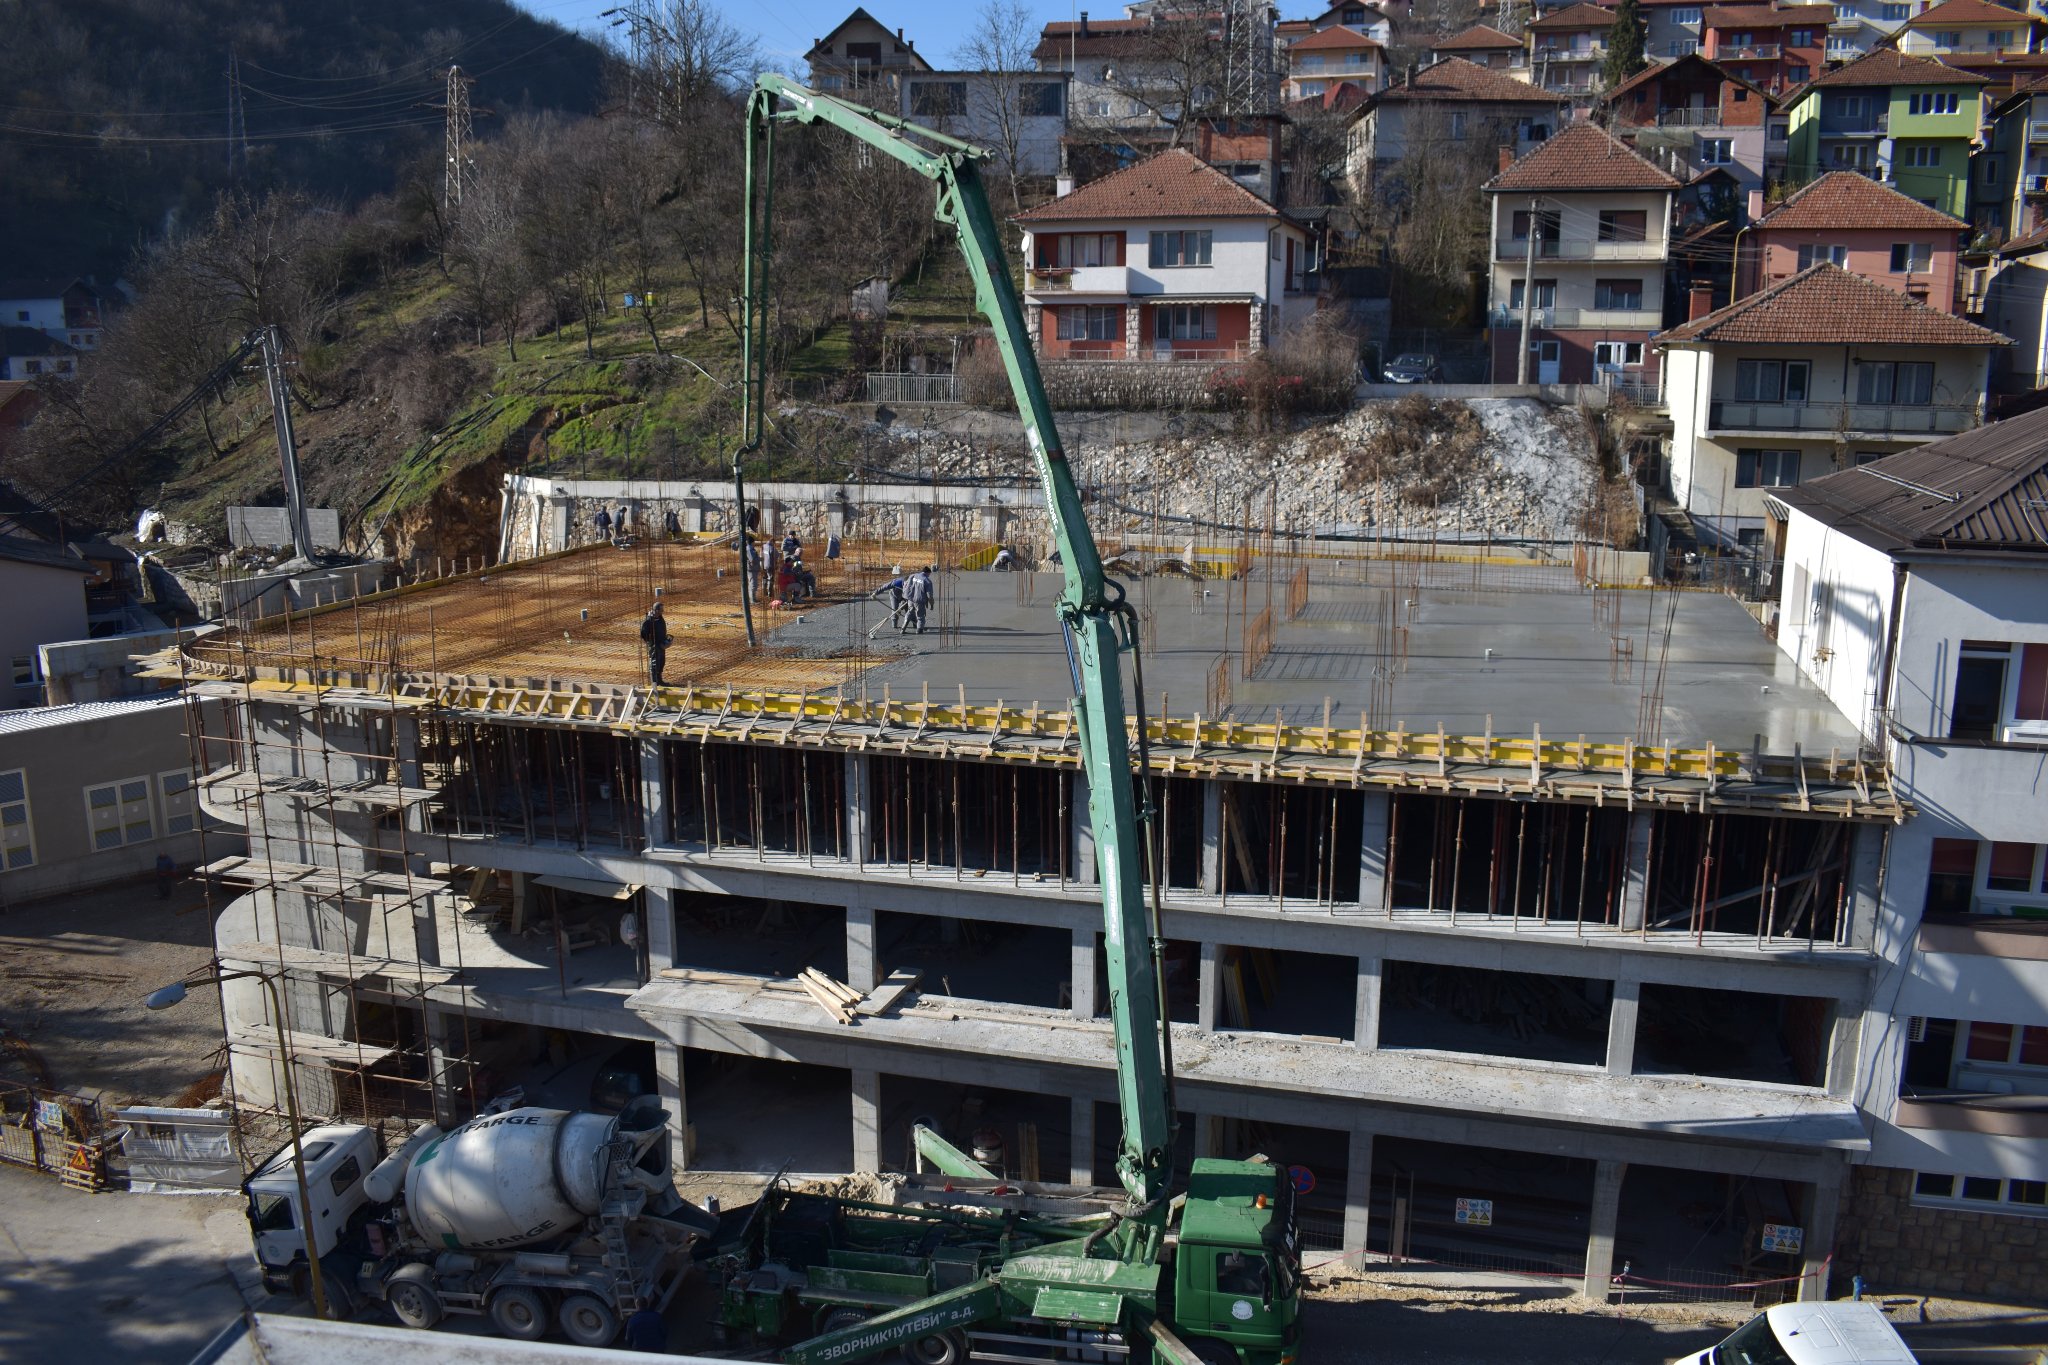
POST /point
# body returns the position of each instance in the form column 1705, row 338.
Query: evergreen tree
column 1624, row 44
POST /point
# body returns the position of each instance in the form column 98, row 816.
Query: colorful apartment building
column 1774, row 47
column 1851, row 221
column 1912, row 121
column 1329, row 57
column 1692, row 117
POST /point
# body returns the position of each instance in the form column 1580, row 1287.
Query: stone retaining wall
column 1898, row 1246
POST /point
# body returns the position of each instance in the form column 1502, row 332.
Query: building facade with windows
column 1568, row 48
column 1018, row 116
column 1811, row 374
column 862, row 59
column 1865, row 227
column 1915, row 594
column 44, row 587
column 1484, row 46
column 1583, row 224
column 1692, row 117
column 1773, row 47
column 66, row 310
column 1330, row 56
column 1169, row 259
column 1969, row 31
column 1910, row 121
column 1450, row 109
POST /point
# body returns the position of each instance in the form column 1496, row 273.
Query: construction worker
column 894, row 590
column 1004, row 561
column 917, row 595
column 672, row 524
column 654, row 635
column 604, row 523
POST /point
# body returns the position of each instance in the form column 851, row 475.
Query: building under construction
column 1531, row 915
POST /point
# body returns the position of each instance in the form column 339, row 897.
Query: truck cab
column 338, row 1157
column 1237, row 1267
column 1844, row 1333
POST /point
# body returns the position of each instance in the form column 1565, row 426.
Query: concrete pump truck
column 1208, row 1275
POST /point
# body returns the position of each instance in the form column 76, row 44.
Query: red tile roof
column 1173, row 184
column 1338, row 95
column 1658, row 68
column 1759, row 16
column 1581, row 15
column 1583, row 157
column 1340, row 37
column 1844, row 199
column 1969, row 12
column 1884, row 66
column 1105, row 38
column 1477, row 37
column 1825, row 305
column 1455, row 80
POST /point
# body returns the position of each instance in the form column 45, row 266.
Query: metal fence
column 913, row 388
column 58, row 1134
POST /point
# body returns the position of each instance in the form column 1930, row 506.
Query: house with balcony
column 1452, row 108
column 1963, row 31
column 1013, row 114
column 1169, row 259
column 1870, row 229
column 1910, row 121
column 1914, row 593
column 1862, row 26
column 1581, row 232
column 1330, row 57
column 862, row 55
column 1484, row 46
column 1814, row 373
column 1374, row 21
column 1775, row 47
column 2010, row 196
column 1691, row 116
column 68, row 310
column 1568, row 47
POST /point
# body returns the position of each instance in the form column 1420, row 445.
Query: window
column 1948, row 38
column 1912, row 257
column 1096, row 322
column 1797, row 72
column 864, row 52
column 1901, row 381
column 1179, row 248
column 1772, row 381
column 1457, row 126
column 1852, row 107
column 22, row 667
column 1184, row 322
column 1066, row 250
column 1937, row 1186
column 1934, row 102
column 17, row 834
column 1685, row 15
column 1617, row 355
column 1766, row 468
column 345, row 1176
column 1717, row 151
column 938, row 99
column 1893, row 13
column 1311, row 61
column 33, row 366
column 1619, row 295
column 2019, row 1196
column 174, row 792
column 1546, row 295
column 1919, row 155
column 2007, row 1044
column 1544, row 224
column 119, row 813
column 1624, row 225
column 1979, row 702
column 1799, row 37
column 1041, row 99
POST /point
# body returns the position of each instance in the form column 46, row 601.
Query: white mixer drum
column 509, row 1180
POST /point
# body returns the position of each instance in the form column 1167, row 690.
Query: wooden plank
column 886, row 996
column 838, row 990
column 834, row 1008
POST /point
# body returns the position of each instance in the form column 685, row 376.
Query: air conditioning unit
column 1916, row 1029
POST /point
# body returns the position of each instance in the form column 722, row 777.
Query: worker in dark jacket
column 603, row 523
column 654, row 634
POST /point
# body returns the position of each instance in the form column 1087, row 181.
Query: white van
column 1844, row 1333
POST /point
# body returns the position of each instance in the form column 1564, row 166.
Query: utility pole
column 238, row 125
column 1529, row 289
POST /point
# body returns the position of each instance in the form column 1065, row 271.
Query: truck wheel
column 940, row 1348
column 841, row 1318
column 519, row 1313
column 588, row 1320
column 413, row 1303
column 1213, row 1352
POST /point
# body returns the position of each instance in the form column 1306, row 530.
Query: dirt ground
column 73, row 972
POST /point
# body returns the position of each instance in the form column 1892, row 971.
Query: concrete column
column 860, row 947
column 658, row 927
column 1210, row 986
column 836, row 513
column 1635, row 883
column 1212, row 837
column 653, row 796
column 693, row 513
column 1205, row 1133
column 867, row 1120
column 445, row 1090
column 916, row 521
column 1823, row 1206
column 556, row 534
column 1084, row 832
column 1081, row 1145
column 1366, row 1027
column 1621, row 1028
column 1600, row 1223
column 668, row 1075
column 1357, row 1197
column 1373, row 872
column 1082, row 974
column 858, row 811
column 1866, row 870
column 993, row 516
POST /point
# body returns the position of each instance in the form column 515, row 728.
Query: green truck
column 1208, row 1275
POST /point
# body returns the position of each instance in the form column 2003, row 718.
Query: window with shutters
column 17, row 831
column 119, row 814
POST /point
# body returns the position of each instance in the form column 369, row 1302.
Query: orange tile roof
column 1338, row 37
column 1582, row 157
column 1454, row 79
column 1479, row 36
column 1173, row 184
column 1844, row 199
column 1884, row 66
column 1969, row 12
column 1760, row 16
column 1826, row 305
column 1581, row 15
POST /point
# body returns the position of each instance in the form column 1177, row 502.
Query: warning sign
column 1476, row 1213
column 1784, row 1237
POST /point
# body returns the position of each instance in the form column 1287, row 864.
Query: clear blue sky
column 786, row 28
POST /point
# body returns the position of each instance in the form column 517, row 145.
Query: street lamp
column 165, row 997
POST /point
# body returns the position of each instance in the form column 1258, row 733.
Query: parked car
column 1415, row 368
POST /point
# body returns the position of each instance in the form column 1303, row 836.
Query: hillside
column 116, row 129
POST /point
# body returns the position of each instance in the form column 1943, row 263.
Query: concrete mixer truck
column 532, row 1217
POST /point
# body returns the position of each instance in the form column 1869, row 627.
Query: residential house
column 1375, row 21
column 1964, row 31
column 27, row 353
column 1124, row 72
column 68, row 310
column 2010, row 190
column 1450, row 108
column 1581, row 232
column 863, row 57
column 1862, row 26
column 2010, row 294
column 1015, row 115
column 44, row 587
column 1805, row 376
column 1167, row 259
column 1483, row 46
column 1568, row 48
column 1854, row 222
column 1776, row 46
column 1914, row 593
column 1691, row 116
column 1908, row 120
column 1330, row 56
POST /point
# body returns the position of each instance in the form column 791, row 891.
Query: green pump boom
column 1092, row 612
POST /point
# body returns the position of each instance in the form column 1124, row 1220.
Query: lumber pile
column 842, row 1003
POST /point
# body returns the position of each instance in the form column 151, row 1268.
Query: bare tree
column 677, row 54
column 998, row 50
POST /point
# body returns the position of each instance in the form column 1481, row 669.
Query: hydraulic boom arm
column 1093, row 616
